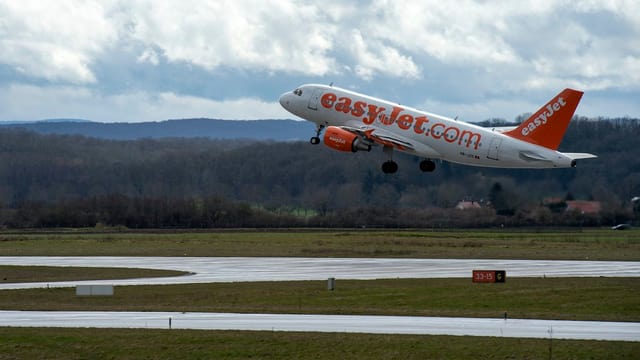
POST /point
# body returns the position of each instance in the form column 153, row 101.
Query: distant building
column 584, row 207
column 555, row 204
column 550, row 201
column 466, row 205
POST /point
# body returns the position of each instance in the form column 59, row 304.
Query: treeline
column 213, row 212
column 118, row 210
column 63, row 180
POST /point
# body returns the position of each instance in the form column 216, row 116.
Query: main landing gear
column 389, row 167
column 316, row 139
column 427, row 165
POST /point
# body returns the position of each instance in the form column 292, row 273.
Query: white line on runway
column 520, row 328
column 234, row 269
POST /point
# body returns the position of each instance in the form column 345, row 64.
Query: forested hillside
column 45, row 180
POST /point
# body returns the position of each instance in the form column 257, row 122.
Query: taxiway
column 236, row 269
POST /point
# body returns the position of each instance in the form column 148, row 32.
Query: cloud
column 593, row 104
column 203, row 52
column 269, row 36
column 56, row 42
column 374, row 57
column 538, row 42
column 29, row 102
column 462, row 33
column 524, row 45
column 481, row 110
column 149, row 56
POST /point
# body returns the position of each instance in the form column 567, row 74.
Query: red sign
column 489, row 276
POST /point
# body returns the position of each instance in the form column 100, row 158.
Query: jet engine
column 343, row 140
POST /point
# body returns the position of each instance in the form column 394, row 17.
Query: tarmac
column 237, row 269
column 515, row 328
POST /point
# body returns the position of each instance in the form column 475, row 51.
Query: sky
column 152, row 60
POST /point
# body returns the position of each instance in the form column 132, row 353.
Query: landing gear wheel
column 389, row 167
column 427, row 165
column 316, row 139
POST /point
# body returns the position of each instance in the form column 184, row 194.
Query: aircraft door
column 494, row 148
column 313, row 100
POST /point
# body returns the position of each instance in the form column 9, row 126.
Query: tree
column 503, row 201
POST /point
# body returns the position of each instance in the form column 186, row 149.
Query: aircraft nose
column 284, row 100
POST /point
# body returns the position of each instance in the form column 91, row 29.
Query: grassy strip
column 24, row 274
column 35, row 343
column 608, row 299
column 480, row 244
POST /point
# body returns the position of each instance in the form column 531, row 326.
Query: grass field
column 593, row 244
column 607, row 299
column 23, row 343
column 25, row 274
column 575, row 299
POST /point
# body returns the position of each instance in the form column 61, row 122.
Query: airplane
column 356, row 122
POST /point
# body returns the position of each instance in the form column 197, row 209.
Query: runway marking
column 516, row 328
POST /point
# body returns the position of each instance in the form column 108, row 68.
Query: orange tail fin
column 547, row 126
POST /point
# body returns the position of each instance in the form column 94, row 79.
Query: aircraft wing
column 382, row 137
column 502, row 129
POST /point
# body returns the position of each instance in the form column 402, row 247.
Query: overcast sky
column 154, row 60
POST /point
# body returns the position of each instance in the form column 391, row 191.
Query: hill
column 279, row 130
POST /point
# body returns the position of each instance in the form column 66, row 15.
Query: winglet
column 547, row 126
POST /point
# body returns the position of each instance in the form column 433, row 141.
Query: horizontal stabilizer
column 579, row 156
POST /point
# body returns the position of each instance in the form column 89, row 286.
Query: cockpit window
column 298, row 92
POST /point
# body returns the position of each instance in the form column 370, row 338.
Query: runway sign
column 489, row 276
column 94, row 290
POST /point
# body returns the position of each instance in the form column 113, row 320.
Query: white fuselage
column 432, row 136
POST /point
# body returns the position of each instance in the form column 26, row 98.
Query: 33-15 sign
column 489, row 276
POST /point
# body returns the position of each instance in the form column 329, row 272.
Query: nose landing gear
column 316, row 139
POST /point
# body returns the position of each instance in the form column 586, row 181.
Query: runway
column 235, row 269
column 577, row 330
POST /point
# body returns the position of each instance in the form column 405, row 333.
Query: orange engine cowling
column 343, row 140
